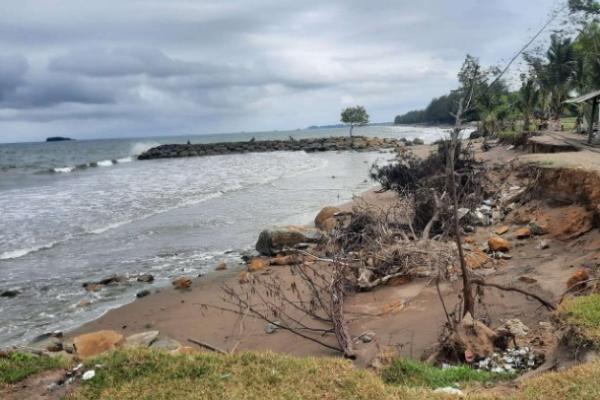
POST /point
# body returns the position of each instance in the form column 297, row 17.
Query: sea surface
column 79, row 211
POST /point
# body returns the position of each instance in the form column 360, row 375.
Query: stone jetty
column 355, row 143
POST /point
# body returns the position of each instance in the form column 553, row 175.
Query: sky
column 126, row 68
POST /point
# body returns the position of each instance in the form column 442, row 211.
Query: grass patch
column 412, row 373
column 18, row 366
column 578, row 383
column 583, row 312
column 156, row 375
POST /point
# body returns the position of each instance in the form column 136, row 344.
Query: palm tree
column 558, row 73
column 529, row 95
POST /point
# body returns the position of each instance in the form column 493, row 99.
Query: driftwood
column 207, row 346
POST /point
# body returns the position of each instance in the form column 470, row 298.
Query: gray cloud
column 188, row 66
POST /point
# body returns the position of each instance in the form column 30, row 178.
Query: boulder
column 271, row 241
column 182, row 283
column 92, row 344
column 10, row 293
column 325, row 219
column 497, row 243
column 143, row 339
column 257, row 264
column 142, row 293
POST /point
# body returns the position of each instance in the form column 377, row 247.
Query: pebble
column 271, row 328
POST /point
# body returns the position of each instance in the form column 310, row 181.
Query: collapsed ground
column 535, row 232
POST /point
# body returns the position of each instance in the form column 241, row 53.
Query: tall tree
column 354, row 116
column 528, row 99
column 555, row 73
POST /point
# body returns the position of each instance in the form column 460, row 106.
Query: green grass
column 152, row 375
column 156, row 375
column 407, row 372
column 583, row 312
column 18, row 366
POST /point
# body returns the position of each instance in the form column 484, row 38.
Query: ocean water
column 72, row 212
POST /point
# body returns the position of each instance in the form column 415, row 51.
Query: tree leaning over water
column 354, row 116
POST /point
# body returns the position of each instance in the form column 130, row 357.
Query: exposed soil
column 41, row 386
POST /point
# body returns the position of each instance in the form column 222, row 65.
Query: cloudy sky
column 119, row 68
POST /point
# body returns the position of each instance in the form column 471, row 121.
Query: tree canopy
column 354, row 116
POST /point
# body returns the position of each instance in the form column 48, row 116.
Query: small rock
column 515, row 327
column 523, row 233
column 543, row 244
column 257, row 264
column 10, row 293
column 87, row 375
column 502, row 230
column 271, row 328
column 497, row 243
column 244, row 277
column 367, row 337
column 145, row 278
column 528, row 280
column 142, row 293
column 537, row 229
column 450, row 390
column 182, row 283
column 581, row 275
column 222, row 266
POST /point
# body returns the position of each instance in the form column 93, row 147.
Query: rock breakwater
column 355, row 143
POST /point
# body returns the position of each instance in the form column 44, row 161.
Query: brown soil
column 38, row 387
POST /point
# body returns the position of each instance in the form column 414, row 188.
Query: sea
column 78, row 211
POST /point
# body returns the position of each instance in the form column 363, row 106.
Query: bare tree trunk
column 337, row 312
column 351, row 127
column 468, row 300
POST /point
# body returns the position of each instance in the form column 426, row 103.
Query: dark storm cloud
column 201, row 66
column 12, row 73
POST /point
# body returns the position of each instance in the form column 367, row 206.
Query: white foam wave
column 63, row 170
column 105, row 163
column 124, row 160
column 141, row 147
column 11, row 254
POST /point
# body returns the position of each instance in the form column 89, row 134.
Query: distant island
column 57, row 139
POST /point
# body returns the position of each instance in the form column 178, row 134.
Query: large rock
column 166, row 344
column 325, row 219
column 271, row 241
column 92, row 344
column 143, row 339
